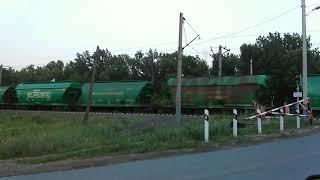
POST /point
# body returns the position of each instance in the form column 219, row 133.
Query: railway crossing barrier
column 285, row 111
column 281, row 111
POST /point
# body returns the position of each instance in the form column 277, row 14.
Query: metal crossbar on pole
column 303, row 106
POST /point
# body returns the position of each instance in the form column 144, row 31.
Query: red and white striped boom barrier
column 272, row 111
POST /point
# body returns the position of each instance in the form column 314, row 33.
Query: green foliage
column 229, row 64
column 280, row 57
column 53, row 70
column 9, row 77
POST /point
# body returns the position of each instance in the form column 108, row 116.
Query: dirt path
column 13, row 168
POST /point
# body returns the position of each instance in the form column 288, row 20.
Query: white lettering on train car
column 37, row 94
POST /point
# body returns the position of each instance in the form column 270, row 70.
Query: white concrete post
column 206, row 126
column 259, row 121
column 281, row 119
column 235, row 123
column 298, row 117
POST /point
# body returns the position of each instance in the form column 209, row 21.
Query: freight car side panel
column 41, row 96
column 53, row 93
column 314, row 91
column 117, row 94
column 216, row 96
column 219, row 92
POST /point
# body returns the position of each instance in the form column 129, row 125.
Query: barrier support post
column 298, row 117
column 281, row 120
column 206, row 126
column 235, row 122
column 259, row 121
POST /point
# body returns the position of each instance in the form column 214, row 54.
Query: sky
column 38, row 31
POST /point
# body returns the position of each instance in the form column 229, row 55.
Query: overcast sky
column 38, row 31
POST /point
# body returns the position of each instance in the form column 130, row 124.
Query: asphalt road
column 285, row 159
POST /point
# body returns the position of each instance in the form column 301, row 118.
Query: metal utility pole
column 179, row 71
column 93, row 76
column 0, row 74
column 251, row 67
column 304, row 52
column 220, row 61
column 220, row 58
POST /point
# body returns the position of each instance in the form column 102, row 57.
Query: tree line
column 276, row 55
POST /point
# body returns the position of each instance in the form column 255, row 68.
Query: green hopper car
column 118, row 94
column 64, row 93
column 314, row 91
column 7, row 95
column 220, row 92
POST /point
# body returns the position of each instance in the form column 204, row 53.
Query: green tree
column 27, row 74
column 9, row 76
column 230, row 63
column 79, row 69
column 167, row 62
column 280, row 58
column 144, row 66
column 53, row 70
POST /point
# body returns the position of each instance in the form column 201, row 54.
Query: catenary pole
column 304, row 53
column 220, row 61
column 179, row 71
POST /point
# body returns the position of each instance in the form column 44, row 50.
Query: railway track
column 96, row 113
column 141, row 118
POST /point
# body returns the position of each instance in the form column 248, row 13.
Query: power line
column 139, row 47
column 197, row 52
column 221, row 37
column 191, row 27
column 196, row 37
column 185, row 35
column 314, row 4
column 230, row 35
column 257, row 35
column 224, row 36
column 314, row 31
column 250, row 27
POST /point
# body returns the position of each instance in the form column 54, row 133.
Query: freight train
column 197, row 93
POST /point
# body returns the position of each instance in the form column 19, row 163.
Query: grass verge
column 37, row 138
